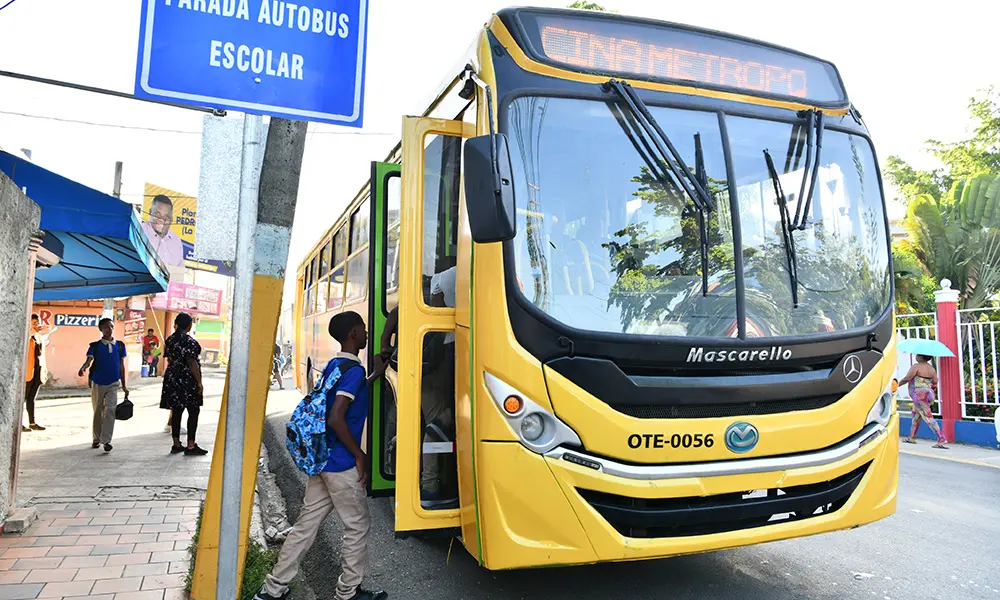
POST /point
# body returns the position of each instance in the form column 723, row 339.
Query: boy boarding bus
column 644, row 297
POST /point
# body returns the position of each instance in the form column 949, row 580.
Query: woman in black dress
column 182, row 389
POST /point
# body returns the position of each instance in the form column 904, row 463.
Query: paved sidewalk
column 112, row 526
column 970, row 455
column 106, row 550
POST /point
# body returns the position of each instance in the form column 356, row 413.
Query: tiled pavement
column 101, row 550
column 112, row 525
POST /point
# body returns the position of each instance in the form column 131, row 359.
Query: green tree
column 957, row 237
column 912, row 183
column 583, row 5
column 981, row 152
column 914, row 284
column 953, row 214
column 964, row 159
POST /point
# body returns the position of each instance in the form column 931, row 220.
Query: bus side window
column 442, row 180
column 337, row 279
column 394, row 192
column 357, row 264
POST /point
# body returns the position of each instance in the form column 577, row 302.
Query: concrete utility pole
column 256, row 308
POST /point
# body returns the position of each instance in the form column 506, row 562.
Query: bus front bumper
column 567, row 508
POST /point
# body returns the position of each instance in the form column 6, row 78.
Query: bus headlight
column 881, row 411
column 537, row 429
column 532, row 427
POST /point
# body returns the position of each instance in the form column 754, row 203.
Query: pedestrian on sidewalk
column 148, row 342
column 33, row 376
column 182, row 388
column 341, row 485
column 154, row 357
column 106, row 361
column 921, row 377
column 276, row 366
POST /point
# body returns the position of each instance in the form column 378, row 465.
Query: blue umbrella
column 925, row 347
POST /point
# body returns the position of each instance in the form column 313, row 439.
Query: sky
column 910, row 71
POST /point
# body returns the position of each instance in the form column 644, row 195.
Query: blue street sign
column 268, row 57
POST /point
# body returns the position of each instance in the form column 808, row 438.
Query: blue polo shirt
column 107, row 367
column 353, row 384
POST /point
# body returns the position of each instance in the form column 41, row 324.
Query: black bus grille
column 679, row 517
column 707, row 411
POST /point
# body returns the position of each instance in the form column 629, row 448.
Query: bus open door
column 416, row 239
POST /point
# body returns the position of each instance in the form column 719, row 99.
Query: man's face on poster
column 161, row 215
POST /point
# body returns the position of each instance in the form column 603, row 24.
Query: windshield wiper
column 694, row 185
column 668, row 154
column 814, row 138
column 701, row 176
column 786, row 230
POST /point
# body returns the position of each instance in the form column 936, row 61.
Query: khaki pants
column 325, row 492
column 105, row 400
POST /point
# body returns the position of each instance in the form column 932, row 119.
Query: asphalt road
column 942, row 543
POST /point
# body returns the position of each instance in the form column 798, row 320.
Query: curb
column 271, row 515
column 269, row 504
column 19, row 519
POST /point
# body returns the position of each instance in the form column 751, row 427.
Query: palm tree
column 957, row 237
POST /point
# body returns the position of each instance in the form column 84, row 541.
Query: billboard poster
column 170, row 220
column 135, row 326
column 183, row 297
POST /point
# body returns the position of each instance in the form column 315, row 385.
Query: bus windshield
column 604, row 244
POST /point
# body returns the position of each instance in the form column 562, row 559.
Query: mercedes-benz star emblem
column 741, row 437
column 853, row 369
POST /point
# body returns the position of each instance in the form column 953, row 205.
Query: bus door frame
column 381, row 483
column 415, row 320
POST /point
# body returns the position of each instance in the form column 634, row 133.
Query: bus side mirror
column 489, row 189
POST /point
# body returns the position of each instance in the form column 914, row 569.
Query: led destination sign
column 654, row 51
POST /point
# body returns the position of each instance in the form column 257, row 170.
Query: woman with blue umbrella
column 921, row 378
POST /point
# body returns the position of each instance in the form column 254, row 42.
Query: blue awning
column 105, row 252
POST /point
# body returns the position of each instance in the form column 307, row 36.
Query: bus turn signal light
column 895, row 385
column 513, row 405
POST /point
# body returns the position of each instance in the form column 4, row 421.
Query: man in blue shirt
column 342, row 484
column 107, row 356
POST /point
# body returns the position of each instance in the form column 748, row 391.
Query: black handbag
column 123, row 412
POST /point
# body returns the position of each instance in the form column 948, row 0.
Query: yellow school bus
column 643, row 283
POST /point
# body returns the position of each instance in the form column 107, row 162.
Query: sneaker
column 25, row 429
column 176, row 449
column 263, row 595
column 369, row 595
column 96, row 445
column 196, row 451
column 108, row 447
column 36, row 427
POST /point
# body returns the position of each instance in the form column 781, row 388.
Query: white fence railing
column 977, row 358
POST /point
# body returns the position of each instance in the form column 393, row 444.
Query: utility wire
column 8, row 4
column 159, row 130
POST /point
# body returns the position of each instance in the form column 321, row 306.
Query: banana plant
column 958, row 237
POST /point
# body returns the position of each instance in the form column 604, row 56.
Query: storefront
column 206, row 305
column 72, row 326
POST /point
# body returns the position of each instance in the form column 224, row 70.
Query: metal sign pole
column 239, row 361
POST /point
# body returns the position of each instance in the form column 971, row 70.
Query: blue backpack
column 306, row 430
